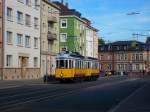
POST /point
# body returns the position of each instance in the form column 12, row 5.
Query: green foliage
column 134, row 44
column 101, row 42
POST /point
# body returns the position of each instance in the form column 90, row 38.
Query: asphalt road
column 96, row 96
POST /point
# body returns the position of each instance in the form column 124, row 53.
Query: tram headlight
column 61, row 75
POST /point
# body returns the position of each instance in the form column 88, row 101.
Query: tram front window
column 62, row 64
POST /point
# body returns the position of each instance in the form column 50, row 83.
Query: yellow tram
column 73, row 66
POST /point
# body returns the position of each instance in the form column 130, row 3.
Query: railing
column 52, row 30
column 52, row 19
column 51, row 36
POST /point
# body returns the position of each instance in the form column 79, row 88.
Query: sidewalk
column 139, row 101
column 17, row 83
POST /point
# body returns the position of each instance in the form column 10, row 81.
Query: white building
column 91, row 42
column 22, row 39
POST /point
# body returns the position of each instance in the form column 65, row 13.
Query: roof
column 67, row 54
column 126, row 42
column 65, row 10
column 52, row 4
column 124, row 46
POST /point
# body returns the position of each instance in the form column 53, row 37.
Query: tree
column 101, row 42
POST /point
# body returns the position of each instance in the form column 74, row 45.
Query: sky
column 112, row 19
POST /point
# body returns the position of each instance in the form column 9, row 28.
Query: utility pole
column 136, row 35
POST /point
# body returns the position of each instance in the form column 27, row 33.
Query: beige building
column 1, row 39
column 128, row 57
column 21, row 39
column 49, row 37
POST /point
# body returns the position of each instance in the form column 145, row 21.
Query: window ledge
column 20, row 45
column 9, row 43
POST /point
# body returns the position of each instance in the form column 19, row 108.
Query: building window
column 141, row 57
column 35, row 42
column 35, row 61
column 36, row 20
column 109, row 66
column 9, row 14
column 133, row 56
column 63, row 37
column 21, row 1
column 27, row 41
column 36, row 4
column 137, row 57
column 9, row 60
column 137, row 67
column 9, row 37
column 28, row 2
column 19, row 39
column 28, row 20
column 63, row 23
column 19, row 17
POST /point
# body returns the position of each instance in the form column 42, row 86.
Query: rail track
column 28, row 94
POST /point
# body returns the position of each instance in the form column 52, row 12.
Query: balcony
column 52, row 30
column 51, row 36
column 52, row 19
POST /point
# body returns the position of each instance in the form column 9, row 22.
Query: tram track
column 41, row 94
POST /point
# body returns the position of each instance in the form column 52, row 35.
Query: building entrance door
column 24, row 64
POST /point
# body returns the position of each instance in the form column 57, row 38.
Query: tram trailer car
column 73, row 66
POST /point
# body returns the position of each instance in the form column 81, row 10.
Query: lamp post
column 130, row 68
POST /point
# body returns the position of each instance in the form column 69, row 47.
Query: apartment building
column 91, row 40
column 95, row 42
column 76, row 32
column 49, row 37
column 72, row 29
column 21, row 39
column 1, row 39
column 124, row 57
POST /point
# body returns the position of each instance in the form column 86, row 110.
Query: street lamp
column 130, row 68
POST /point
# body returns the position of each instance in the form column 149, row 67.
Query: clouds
column 110, row 16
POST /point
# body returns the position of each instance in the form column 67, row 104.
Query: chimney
column 67, row 5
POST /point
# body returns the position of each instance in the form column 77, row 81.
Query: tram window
column 66, row 62
column 83, row 64
column 80, row 65
column 70, row 65
column 57, row 64
column 88, row 65
column 62, row 64
column 76, row 63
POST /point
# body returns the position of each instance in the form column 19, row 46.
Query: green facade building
column 72, row 30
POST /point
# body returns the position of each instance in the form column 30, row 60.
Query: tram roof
column 67, row 54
